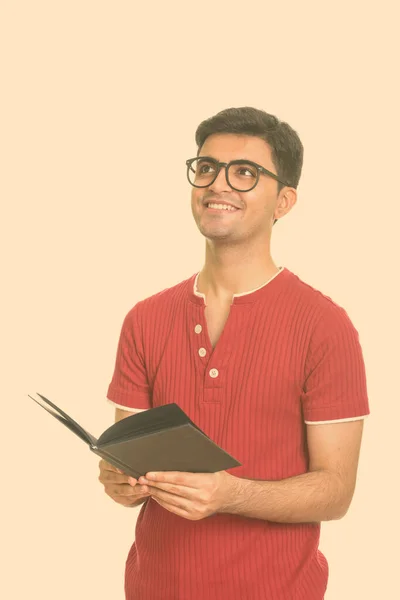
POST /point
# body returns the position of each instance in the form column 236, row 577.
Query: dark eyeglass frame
column 219, row 165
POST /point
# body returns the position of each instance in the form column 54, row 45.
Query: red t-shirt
column 288, row 356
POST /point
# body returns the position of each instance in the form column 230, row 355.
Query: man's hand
column 193, row 496
column 120, row 487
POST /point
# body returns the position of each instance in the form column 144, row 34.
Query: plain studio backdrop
column 100, row 102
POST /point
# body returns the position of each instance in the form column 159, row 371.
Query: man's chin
column 220, row 238
column 215, row 234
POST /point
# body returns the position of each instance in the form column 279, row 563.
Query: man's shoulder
column 165, row 298
column 319, row 304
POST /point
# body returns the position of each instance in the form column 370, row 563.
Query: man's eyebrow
column 217, row 159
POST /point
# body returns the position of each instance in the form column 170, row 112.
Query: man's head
column 254, row 135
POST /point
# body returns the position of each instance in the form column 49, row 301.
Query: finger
column 173, row 509
column 106, row 466
column 171, row 499
column 125, row 500
column 176, row 490
column 119, row 490
column 112, row 476
column 193, row 480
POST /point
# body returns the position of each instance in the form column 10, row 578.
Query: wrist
column 237, row 492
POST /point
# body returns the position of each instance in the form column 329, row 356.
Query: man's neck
column 231, row 271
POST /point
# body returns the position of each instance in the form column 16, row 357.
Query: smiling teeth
column 221, row 206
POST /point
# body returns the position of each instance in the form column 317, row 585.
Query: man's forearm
column 310, row 497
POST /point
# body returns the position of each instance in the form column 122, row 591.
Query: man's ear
column 287, row 199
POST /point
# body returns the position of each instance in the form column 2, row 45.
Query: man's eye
column 246, row 172
column 204, row 169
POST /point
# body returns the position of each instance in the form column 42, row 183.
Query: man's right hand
column 122, row 488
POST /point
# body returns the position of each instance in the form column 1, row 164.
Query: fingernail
column 132, row 481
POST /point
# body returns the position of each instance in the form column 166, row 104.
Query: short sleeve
column 335, row 386
column 129, row 387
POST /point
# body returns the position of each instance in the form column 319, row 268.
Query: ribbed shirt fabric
column 288, row 356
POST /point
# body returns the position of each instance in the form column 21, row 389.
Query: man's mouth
column 215, row 206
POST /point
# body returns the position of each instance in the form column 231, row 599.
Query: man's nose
column 221, row 184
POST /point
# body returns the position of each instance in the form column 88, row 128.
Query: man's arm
column 123, row 414
column 322, row 494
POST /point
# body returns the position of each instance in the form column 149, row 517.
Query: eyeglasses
column 241, row 175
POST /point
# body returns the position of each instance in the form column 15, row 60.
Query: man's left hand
column 193, row 496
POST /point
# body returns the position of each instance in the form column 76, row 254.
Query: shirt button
column 202, row 352
column 198, row 329
column 214, row 373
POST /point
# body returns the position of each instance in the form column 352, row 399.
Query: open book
column 158, row 439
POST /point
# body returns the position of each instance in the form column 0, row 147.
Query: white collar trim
column 201, row 295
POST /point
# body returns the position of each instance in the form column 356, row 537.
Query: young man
column 270, row 368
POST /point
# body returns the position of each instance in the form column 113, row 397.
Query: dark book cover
column 158, row 439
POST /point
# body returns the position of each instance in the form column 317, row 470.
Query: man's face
column 255, row 209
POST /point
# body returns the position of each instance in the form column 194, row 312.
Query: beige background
column 100, row 101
